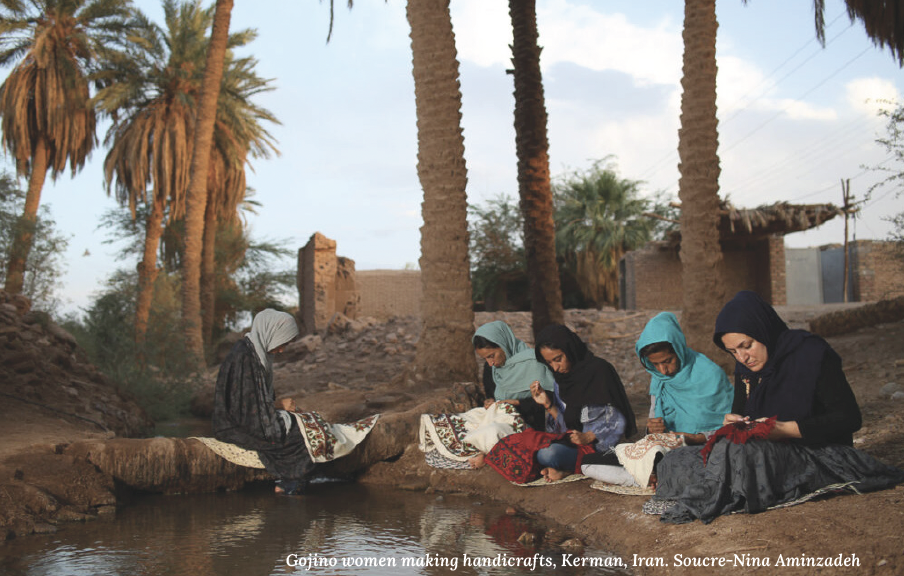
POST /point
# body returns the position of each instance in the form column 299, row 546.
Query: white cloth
column 271, row 329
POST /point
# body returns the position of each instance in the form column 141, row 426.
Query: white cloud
column 580, row 35
column 869, row 95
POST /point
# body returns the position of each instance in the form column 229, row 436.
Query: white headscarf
column 271, row 329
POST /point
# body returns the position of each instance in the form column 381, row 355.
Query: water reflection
column 335, row 530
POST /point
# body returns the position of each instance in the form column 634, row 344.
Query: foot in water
column 290, row 487
column 552, row 475
column 476, row 461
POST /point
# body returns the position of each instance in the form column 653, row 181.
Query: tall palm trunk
column 208, row 267
column 25, row 228
column 534, row 185
column 444, row 351
column 698, row 141
column 147, row 270
column 196, row 197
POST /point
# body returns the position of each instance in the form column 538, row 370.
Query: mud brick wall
column 386, row 293
column 326, row 284
column 877, row 270
column 778, row 292
column 653, row 275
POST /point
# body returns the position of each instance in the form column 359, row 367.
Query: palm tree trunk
column 196, row 197
column 147, row 271
column 444, row 351
column 703, row 283
column 25, row 227
column 208, row 268
column 534, row 185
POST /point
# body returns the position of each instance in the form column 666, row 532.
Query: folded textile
column 639, row 457
column 457, row 437
column 324, row 441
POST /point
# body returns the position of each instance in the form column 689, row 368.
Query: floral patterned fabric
column 323, row 440
column 447, row 434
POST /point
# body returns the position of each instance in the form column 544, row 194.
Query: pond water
column 336, row 529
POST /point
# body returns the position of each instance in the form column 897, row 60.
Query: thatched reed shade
column 745, row 224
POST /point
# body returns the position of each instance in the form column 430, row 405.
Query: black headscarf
column 591, row 381
column 786, row 384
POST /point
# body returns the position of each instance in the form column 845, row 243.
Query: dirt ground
column 866, row 526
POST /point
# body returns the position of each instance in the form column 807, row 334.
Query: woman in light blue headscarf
column 511, row 365
column 689, row 393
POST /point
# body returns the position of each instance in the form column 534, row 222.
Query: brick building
column 753, row 248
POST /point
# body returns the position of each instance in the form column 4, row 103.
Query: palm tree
column 443, row 352
column 238, row 133
column 599, row 217
column 47, row 118
column 883, row 21
column 151, row 91
column 196, row 197
column 534, row 186
column 703, row 283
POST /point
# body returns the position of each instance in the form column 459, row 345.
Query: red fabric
column 514, row 455
column 739, row 433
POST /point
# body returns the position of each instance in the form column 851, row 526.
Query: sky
column 794, row 118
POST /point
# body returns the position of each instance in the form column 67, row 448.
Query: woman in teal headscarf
column 689, row 396
column 511, row 366
column 689, row 393
column 450, row 440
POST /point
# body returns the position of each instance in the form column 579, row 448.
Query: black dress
column 244, row 414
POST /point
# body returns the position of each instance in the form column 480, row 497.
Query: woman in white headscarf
column 245, row 409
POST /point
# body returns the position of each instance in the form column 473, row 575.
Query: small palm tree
column 47, row 116
column 151, row 91
column 599, row 217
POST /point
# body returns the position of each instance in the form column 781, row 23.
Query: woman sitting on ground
column 790, row 430
column 689, row 396
column 511, row 366
column 246, row 412
column 589, row 403
column 459, row 440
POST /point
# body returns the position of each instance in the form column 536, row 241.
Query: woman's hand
column 488, row 403
column 692, row 439
column 581, row 438
column 287, row 404
column 732, row 418
column 656, row 426
column 539, row 394
column 783, row 430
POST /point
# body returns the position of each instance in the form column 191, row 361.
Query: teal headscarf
column 699, row 395
column 513, row 379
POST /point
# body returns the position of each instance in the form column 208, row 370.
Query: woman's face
column 556, row 359
column 665, row 362
column 749, row 352
column 495, row 357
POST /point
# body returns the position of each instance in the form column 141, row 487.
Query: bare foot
column 476, row 461
column 551, row 474
column 651, row 483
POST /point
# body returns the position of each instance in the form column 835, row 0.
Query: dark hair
column 656, row 347
column 481, row 342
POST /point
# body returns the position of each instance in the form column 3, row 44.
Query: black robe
column 244, row 414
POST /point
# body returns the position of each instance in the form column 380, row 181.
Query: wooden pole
column 846, row 195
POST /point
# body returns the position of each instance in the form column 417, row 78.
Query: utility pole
column 846, row 195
